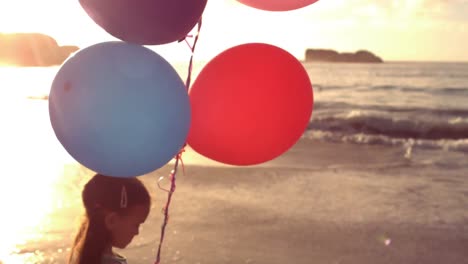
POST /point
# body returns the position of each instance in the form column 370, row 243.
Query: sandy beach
column 368, row 204
column 345, row 198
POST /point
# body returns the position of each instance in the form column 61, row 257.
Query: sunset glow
column 395, row 30
column 351, row 154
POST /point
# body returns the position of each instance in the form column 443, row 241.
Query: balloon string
column 192, row 48
column 178, row 158
column 172, row 177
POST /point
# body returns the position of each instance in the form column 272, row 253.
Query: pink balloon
column 146, row 22
column 277, row 5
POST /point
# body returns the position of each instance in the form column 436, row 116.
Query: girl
column 115, row 208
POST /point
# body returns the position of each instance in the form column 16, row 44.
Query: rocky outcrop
column 32, row 49
column 326, row 55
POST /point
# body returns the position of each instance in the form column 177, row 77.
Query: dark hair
column 100, row 194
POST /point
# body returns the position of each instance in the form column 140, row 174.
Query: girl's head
column 115, row 208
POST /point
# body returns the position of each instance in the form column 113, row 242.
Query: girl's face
column 124, row 228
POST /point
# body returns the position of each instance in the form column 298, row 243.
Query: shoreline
column 319, row 202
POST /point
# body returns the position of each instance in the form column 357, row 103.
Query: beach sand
column 318, row 203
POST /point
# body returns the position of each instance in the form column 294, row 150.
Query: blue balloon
column 119, row 109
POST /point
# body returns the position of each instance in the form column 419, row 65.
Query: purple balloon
column 146, row 22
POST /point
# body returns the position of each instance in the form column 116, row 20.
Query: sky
column 396, row 30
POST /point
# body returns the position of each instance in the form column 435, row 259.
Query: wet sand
column 318, row 203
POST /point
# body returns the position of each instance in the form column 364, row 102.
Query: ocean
column 418, row 106
column 384, row 155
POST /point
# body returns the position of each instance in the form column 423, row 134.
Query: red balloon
column 277, row 5
column 250, row 104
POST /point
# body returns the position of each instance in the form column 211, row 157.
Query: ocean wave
column 459, row 145
column 343, row 107
column 442, row 90
column 426, row 74
column 391, row 121
column 438, row 90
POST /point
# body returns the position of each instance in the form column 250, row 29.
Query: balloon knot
column 179, row 157
column 185, row 38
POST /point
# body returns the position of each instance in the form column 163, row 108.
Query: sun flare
column 33, row 161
